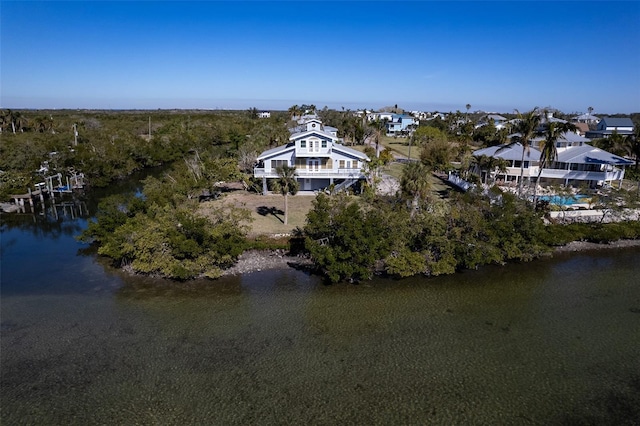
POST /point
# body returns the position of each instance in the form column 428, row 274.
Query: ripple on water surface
column 550, row 342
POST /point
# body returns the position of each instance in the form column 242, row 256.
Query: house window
column 341, row 164
column 303, row 144
column 324, row 144
column 278, row 163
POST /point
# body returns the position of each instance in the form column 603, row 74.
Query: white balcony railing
column 312, row 173
column 582, row 175
column 566, row 174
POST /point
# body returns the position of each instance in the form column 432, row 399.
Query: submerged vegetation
column 163, row 232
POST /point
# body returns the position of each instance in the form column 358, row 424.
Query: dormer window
column 324, row 144
column 303, row 144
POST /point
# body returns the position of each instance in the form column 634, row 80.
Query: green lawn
column 400, row 146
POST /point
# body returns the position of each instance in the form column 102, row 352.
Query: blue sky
column 496, row 56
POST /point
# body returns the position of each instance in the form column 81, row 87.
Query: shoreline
column 576, row 246
column 263, row 260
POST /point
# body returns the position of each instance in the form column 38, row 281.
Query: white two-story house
column 320, row 160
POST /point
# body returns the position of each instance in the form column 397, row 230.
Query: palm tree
column 548, row 151
column 379, row 127
column 4, row 120
column 631, row 145
column 285, row 184
column 18, row 121
column 294, row 111
column 468, row 106
column 526, row 128
column 415, row 182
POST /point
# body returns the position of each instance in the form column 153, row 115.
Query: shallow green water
column 550, row 342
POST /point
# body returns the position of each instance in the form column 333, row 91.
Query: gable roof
column 566, row 137
column 587, row 154
column 275, row 151
column 616, row 122
column 586, row 116
column 509, row 152
column 582, row 127
column 350, row 151
column 320, row 133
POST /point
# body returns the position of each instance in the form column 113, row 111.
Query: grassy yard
column 267, row 211
column 400, row 146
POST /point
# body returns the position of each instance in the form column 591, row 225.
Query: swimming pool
column 566, row 200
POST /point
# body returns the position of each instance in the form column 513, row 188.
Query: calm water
column 555, row 341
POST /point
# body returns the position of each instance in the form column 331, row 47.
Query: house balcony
column 313, row 152
column 616, row 174
column 532, row 172
column 261, row 172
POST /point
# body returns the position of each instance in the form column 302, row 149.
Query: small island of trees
column 348, row 237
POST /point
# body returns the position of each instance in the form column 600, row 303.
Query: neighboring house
column 401, row 124
column 264, row 114
column 380, row 116
column 608, row 125
column 586, row 118
column 320, row 160
column 577, row 163
column 498, row 121
column 436, row 115
column 420, row 115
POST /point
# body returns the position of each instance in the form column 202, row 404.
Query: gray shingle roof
column 509, row 152
column 587, row 154
column 617, row 122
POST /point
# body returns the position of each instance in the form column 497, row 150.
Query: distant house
column 401, row 124
column 608, row 125
column 585, row 118
column 319, row 158
column 498, row 121
column 577, row 163
column 437, row 115
column 380, row 116
column 420, row 115
column 264, row 114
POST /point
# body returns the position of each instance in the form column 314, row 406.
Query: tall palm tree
column 526, row 128
column 379, row 127
column 285, row 184
column 415, row 182
column 548, row 150
column 632, row 145
column 468, row 106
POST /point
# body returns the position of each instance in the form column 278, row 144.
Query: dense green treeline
column 350, row 239
column 110, row 145
column 161, row 233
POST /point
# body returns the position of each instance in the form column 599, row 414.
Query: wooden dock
column 51, row 186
